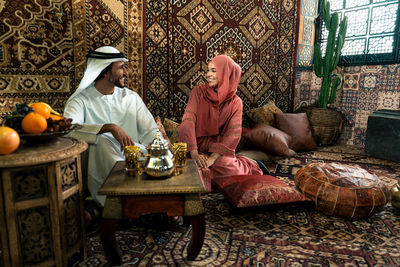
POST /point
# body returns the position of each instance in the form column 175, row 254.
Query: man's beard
column 117, row 82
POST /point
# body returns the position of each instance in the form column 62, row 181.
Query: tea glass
column 132, row 162
column 179, row 157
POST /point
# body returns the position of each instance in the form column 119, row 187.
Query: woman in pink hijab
column 212, row 123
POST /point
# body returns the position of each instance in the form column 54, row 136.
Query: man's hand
column 119, row 134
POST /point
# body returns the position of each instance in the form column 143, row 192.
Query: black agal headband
column 102, row 55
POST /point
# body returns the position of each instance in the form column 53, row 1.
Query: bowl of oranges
column 38, row 122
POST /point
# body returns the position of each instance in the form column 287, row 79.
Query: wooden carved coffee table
column 132, row 196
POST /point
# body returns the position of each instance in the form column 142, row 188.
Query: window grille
column 373, row 31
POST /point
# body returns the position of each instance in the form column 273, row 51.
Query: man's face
column 118, row 74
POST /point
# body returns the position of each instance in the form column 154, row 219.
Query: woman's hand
column 211, row 159
column 119, row 134
column 203, row 160
column 200, row 159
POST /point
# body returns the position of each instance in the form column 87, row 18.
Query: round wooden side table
column 41, row 204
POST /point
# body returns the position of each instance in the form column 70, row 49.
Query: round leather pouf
column 341, row 190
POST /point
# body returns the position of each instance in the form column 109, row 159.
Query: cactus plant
column 324, row 67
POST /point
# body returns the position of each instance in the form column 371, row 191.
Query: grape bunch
column 14, row 119
column 61, row 125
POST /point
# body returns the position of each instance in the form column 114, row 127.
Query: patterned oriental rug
column 287, row 235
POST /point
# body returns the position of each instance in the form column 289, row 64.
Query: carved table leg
column 186, row 221
column 107, row 236
column 198, row 233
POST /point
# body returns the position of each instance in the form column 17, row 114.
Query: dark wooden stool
column 130, row 197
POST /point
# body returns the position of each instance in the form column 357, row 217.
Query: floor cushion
column 269, row 139
column 297, row 126
column 255, row 154
column 171, row 129
column 342, row 190
column 264, row 114
column 256, row 190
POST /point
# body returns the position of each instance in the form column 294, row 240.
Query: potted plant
column 327, row 123
column 324, row 67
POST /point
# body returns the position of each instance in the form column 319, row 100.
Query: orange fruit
column 41, row 108
column 34, row 123
column 55, row 117
column 9, row 140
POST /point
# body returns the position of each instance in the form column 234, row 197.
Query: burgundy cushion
column 243, row 143
column 297, row 126
column 269, row 139
column 256, row 190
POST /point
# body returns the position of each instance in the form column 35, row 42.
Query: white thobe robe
column 92, row 109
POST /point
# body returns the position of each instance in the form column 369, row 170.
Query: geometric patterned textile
column 365, row 89
column 285, row 235
column 43, row 46
column 182, row 36
column 308, row 14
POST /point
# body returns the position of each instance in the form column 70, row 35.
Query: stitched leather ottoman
column 341, row 190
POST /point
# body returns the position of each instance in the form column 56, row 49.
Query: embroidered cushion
column 171, row 129
column 256, row 190
column 264, row 114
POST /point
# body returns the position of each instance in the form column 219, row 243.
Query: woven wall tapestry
column 182, row 36
column 43, row 46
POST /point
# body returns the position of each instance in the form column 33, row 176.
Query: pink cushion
column 256, row 190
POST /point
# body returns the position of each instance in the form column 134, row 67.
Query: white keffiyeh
column 97, row 61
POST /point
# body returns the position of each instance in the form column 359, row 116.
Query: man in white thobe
column 112, row 115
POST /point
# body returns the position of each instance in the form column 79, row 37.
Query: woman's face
column 212, row 78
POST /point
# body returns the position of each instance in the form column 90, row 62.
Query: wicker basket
column 326, row 124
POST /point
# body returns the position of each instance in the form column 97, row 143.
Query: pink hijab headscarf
column 228, row 73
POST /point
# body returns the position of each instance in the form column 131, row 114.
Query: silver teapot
column 157, row 162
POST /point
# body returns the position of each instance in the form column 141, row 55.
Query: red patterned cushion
column 256, row 190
